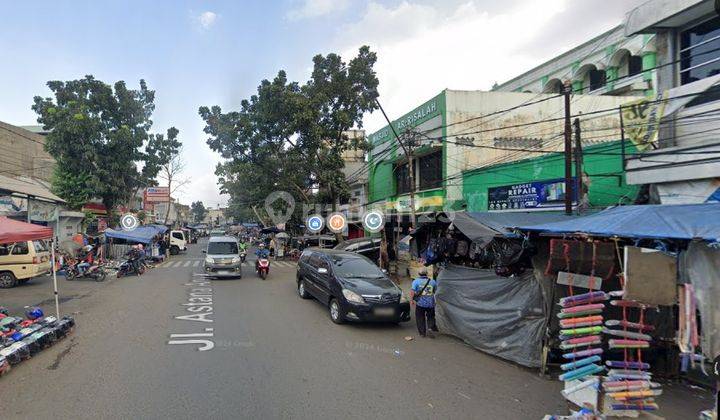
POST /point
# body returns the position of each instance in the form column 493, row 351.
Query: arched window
column 553, row 86
column 595, row 79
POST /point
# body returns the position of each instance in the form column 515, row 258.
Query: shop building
column 461, row 150
column 685, row 166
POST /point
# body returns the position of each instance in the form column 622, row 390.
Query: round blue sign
column 315, row 223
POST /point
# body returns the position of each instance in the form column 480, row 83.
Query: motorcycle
column 130, row 266
column 243, row 255
column 94, row 271
column 263, row 267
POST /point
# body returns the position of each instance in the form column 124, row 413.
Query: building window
column 699, row 51
column 402, row 178
column 597, row 79
column 634, row 65
column 517, row 143
column 430, row 169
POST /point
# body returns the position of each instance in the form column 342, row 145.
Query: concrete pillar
column 649, row 62
column 611, row 74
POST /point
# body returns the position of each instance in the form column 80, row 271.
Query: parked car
column 369, row 247
column 223, row 257
column 21, row 261
column 353, row 288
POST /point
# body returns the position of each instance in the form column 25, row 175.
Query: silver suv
column 223, row 257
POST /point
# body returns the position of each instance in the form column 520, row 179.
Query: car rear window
column 220, row 248
column 40, row 246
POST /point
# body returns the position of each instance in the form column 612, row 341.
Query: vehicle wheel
column 336, row 314
column 119, row 274
column 263, row 274
column 301, row 290
column 100, row 275
column 70, row 275
column 174, row 250
column 141, row 270
column 7, row 280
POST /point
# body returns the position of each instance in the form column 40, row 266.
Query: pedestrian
column 422, row 295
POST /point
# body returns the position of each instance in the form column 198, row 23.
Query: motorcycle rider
column 261, row 253
column 86, row 260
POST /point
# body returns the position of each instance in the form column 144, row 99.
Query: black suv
column 351, row 286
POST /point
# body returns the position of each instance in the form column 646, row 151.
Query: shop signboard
column 157, row 195
column 537, row 195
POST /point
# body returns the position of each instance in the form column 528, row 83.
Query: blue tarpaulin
column 681, row 221
column 482, row 227
column 142, row 234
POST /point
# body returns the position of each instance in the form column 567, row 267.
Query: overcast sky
column 197, row 53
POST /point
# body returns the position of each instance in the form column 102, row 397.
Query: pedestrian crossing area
column 194, row 263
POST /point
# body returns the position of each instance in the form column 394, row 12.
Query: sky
column 195, row 53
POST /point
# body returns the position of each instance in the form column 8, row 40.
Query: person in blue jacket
column 422, row 295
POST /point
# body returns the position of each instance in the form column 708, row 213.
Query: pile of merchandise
column 22, row 338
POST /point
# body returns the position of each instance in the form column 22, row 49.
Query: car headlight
column 403, row 298
column 235, row 260
column 209, row 260
column 352, row 296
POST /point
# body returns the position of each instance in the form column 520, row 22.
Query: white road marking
column 187, row 263
column 464, row 396
column 196, row 263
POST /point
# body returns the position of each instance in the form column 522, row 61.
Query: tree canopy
column 198, row 211
column 100, row 137
column 291, row 137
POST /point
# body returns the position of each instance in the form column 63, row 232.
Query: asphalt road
column 274, row 355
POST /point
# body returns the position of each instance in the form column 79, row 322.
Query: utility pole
column 408, row 155
column 568, row 151
column 578, row 164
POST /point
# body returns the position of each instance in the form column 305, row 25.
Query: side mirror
column 204, row 251
column 384, row 271
column 322, row 270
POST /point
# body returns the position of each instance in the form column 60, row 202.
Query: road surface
column 274, row 355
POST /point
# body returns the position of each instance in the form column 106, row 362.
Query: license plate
column 384, row 311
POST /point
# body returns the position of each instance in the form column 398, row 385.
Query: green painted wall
column 604, row 159
column 381, row 179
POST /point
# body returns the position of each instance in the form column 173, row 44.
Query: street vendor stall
column 627, row 285
column 16, row 231
column 120, row 241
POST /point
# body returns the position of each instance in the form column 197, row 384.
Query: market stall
column 120, row 241
column 626, row 285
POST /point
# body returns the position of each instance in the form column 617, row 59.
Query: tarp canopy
column 142, row 234
column 159, row 228
column 503, row 316
column 482, row 227
column 680, row 221
column 15, row 231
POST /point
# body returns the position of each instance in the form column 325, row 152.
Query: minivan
column 21, row 261
column 351, row 286
column 223, row 257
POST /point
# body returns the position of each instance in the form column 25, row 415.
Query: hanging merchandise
column 581, row 322
column 627, row 385
column 582, row 257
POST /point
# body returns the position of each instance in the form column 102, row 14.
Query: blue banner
column 538, row 195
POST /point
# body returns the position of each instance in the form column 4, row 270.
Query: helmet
column 88, row 248
column 262, row 245
column 34, row 313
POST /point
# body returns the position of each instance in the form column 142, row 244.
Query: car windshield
column 356, row 268
column 222, row 248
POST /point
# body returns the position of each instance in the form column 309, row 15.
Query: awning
column 482, row 227
column 28, row 187
column 142, row 234
column 14, row 231
column 682, row 221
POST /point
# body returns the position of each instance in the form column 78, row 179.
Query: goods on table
column 22, row 338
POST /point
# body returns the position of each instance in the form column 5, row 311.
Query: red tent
column 14, row 231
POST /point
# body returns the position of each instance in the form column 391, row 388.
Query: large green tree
column 292, row 137
column 99, row 136
column 198, row 211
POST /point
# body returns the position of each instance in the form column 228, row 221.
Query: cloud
column 425, row 48
column 310, row 9
column 207, row 19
